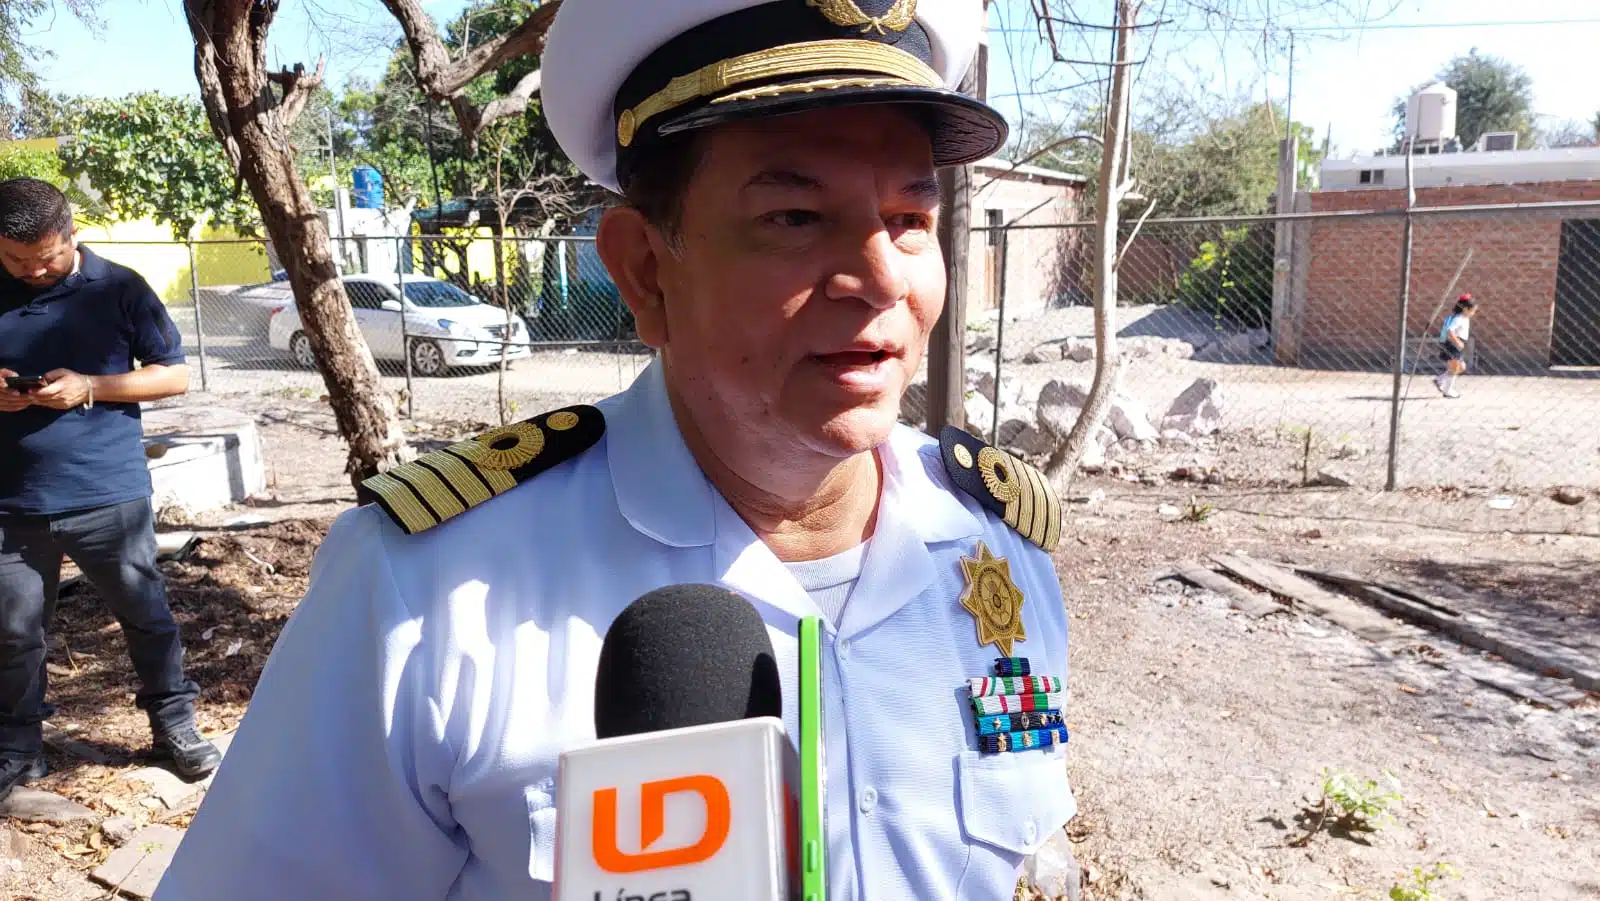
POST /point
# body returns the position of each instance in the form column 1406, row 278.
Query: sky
column 1345, row 80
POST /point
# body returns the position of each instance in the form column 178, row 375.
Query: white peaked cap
column 607, row 66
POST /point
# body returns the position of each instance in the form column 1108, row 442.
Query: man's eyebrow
column 922, row 189
column 925, row 188
column 783, row 178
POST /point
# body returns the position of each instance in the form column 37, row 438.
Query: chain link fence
column 1269, row 351
column 1264, row 351
column 441, row 316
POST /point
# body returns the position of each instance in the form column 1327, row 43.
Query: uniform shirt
column 1459, row 326
column 99, row 320
column 403, row 740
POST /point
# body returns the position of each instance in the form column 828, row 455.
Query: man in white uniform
column 777, row 248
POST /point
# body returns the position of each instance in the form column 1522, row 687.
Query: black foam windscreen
column 685, row 655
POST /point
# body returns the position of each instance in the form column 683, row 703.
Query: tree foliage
column 1492, row 94
column 1193, row 156
column 28, row 162
column 152, row 155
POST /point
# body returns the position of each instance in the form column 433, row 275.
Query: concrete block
column 203, row 458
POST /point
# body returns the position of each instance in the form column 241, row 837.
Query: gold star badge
column 993, row 599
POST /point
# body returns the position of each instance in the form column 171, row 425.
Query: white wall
column 1444, row 169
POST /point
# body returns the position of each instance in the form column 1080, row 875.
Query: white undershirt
column 830, row 580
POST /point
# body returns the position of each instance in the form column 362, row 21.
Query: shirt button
column 844, row 648
column 1031, row 831
column 869, row 800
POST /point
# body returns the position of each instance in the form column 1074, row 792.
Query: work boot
column 191, row 755
column 15, row 771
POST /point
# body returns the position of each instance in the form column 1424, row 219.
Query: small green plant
column 1351, row 804
column 1420, row 886
column 1197, row 511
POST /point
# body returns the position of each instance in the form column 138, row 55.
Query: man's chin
column 856, row 430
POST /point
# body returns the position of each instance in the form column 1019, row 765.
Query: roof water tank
column 368, row 193
column 1431, row 113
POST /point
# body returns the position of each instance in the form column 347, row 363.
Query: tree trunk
column 230, row 64
column 1113, row 186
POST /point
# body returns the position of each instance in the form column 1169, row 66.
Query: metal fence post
column 199, row 323
column 999, row 336
column 1400, row 329
column 405, row 334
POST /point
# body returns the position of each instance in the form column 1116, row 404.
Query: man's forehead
column 50, row 244
column 792, row 150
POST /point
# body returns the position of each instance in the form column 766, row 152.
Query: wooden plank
column 1239, row 597
column 1388, row 583
column 1338, row 610
column 1485, row 634
column 1513, row 682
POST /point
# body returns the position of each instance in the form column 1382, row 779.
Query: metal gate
column 1575, row 340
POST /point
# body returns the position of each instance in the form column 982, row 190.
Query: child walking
column 1457, row 328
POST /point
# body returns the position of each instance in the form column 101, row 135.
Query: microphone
column 687, row 792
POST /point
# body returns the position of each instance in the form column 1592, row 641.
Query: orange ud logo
column 653, row 824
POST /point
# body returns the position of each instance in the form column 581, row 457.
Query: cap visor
column 962, row 130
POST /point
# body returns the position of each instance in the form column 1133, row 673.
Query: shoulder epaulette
column 447, row 483
column 1006, row 486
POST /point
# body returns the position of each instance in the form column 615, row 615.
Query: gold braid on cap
column 777, row 62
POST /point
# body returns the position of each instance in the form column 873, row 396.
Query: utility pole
column 947, row 345
column 338, row 208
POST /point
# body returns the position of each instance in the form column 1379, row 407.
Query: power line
column 1379, row 26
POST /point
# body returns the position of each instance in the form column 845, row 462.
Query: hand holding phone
column 24, row 383
column 13, row 399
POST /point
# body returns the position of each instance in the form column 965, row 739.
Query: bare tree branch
column 445, row 80
column 1053, row 145
column 297, row 89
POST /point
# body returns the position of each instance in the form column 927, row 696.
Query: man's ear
column 623, row 241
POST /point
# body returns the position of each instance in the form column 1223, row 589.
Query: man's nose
column 874, row 272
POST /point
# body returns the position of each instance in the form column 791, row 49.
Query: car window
column 364, row 296
column 438, row 294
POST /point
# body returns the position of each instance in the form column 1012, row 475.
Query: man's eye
column 792, row 218
column 911, row 221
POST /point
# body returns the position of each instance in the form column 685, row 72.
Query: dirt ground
column 1196, row 732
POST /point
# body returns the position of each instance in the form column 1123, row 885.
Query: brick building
column 1536, row 272
column 1039, row 261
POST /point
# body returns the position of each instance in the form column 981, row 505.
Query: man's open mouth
column 854, row 357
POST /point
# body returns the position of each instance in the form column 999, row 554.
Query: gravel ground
column 1506, row 433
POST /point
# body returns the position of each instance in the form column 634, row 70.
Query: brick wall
column 1353, row 282
column 1038, row 260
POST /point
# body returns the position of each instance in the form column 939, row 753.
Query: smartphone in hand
column 24, row 383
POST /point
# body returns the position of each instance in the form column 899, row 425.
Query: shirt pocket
column 1009, row 804
column 541, row 835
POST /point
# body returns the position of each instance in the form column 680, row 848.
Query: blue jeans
column 115, row 547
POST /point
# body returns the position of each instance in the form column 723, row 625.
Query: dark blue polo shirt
column 97, row 321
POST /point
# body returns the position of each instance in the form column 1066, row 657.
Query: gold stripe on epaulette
column 432, row 489
column 1052, row 525
column 498, row 480
column 1041, row 507
column 397, row 495
column 458, row 475
column 1020, row 513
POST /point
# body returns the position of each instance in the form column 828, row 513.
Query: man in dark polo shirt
column 73, row 477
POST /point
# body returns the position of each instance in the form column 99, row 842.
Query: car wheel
column 427, row 359
column 300, row 349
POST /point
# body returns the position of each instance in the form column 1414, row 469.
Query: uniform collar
column 90, row 265
column 660, row 488
column 662, row 492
